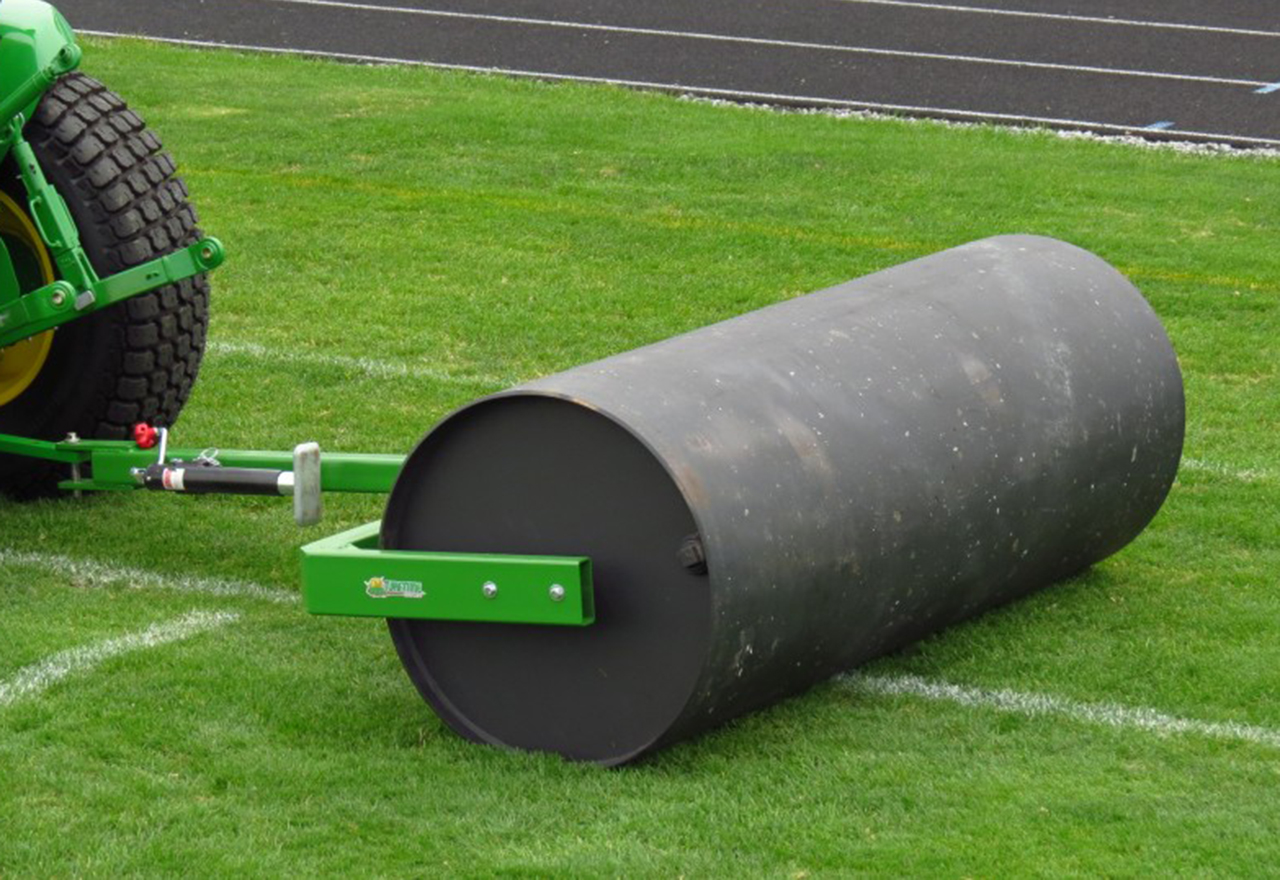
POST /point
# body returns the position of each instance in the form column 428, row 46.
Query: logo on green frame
column 385, row 588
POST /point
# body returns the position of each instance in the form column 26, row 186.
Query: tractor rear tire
column 135, row 361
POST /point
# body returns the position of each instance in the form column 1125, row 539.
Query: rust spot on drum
column 695, row 493
column 806, row 442
column 982, row 380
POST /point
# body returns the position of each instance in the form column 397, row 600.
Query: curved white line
column 32, row 680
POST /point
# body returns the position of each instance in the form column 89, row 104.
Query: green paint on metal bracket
column 346, row 574
column 79, row 291
column 58, row 303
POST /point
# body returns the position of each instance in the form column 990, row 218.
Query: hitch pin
column 161, row 436
column 75, row 465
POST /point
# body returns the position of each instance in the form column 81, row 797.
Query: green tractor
column 103, row 297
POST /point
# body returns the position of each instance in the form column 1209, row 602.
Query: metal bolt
column 58, row 298
column 73, row 437
column 692, row 555
column 490, row 589
column 557, row 593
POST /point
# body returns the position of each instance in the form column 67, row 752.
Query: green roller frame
column 348, row 574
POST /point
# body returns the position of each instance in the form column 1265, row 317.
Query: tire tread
column 125, row 185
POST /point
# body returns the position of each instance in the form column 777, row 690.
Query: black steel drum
column 779, row 497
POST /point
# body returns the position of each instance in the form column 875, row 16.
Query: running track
column 1174, row 69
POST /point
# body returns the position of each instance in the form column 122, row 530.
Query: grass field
column 404, row 240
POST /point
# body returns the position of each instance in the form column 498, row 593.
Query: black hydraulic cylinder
column 782, row 496
column 198, row 479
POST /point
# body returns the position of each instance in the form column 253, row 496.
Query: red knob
column 145, row 435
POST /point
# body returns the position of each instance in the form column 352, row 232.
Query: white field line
column 764, row 41
column 371, row 367
column 1248, row 475
column 382, row 369
column 1041, row 705
column 30, row 681
column 1200, row 147
column 89, row 572
column 735, row 94
column 1083, row 19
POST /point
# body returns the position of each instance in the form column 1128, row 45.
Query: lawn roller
column 613, row 558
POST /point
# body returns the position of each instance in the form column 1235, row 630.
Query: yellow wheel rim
column 21, row 362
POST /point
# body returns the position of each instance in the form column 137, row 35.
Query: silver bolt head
column 556, row 592
column 490, row 589
column 58, row 298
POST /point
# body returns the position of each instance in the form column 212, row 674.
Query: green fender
column 36, row 47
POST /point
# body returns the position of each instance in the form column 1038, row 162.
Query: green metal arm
column 15, row 102
column 111, row 463
column 348, row 575
column 57, row 303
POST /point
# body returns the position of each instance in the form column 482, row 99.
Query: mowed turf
column 402, row 241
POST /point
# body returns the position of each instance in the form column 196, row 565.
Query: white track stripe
column 1248, row 475
column 734, row 94
column 30, row 681
column 374, row 369
column 763, row 41
column 1083, row 19
column 89, row 572
column 1039, row 705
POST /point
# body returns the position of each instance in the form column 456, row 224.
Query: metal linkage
column 15, row 101
column 79, row 290
column 113, row 464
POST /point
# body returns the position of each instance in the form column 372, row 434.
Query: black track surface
column 1179, row 69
